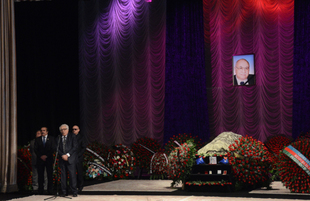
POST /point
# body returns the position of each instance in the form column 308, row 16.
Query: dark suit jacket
column 251, row 80
column 48, row 150
column 71, row 148
column 82, row 143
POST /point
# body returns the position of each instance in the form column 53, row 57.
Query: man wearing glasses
column 242, row 70
column 67, row 152
column 80, row 156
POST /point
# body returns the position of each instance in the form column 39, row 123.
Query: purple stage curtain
column 186, row 108
column 265, row 28
column 122, row 70
column 301, row 117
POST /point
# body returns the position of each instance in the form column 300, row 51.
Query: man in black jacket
column 67, row 152
column 82, row 143
column 44, row 148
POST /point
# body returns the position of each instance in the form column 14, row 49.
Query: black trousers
column 80, row 174
column 49, row 170
column 65, row 167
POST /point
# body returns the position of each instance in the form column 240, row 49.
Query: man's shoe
column 74, row 195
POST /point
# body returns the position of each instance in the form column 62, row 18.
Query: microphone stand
column 54, row 171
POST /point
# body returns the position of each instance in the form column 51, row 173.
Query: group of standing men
column 70, row 148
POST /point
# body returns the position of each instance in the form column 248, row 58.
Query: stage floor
column 160, row 190
column 128, row 186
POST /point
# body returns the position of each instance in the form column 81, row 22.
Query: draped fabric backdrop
column 186, row 109
column 122, row 70
column 301, row 117
column 8, row 113
column 265, row 28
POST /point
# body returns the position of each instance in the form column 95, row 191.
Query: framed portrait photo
column 243, row 70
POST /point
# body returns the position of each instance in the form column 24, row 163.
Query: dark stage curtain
column 185, row 98
column 301, row 117
column 47, row 66
column 265, row 28
column 122, row 70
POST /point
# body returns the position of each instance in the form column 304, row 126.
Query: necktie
column 64, row 143
column 44, row 141
column 241, row 83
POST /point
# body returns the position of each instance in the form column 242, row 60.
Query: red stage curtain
column 262, row 27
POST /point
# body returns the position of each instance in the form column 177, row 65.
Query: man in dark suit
column 242, row 77
column 35, row 183
column 44, row 148
column 82, row 143
column 67, row 152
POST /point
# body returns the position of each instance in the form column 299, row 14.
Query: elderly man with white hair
column 67, row 152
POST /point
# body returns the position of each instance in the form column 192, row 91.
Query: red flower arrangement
column 177, row 140
column 291, row 174
column 143, row 149
column 250, row 163
column 274, row 145
column 180, row 162
column 121, row 161
column 57, row 172
column 277, row 143
column 158, row 165
column 24, row 169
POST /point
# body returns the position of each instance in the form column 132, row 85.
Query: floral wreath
column 121, row 161
column 158, row 165
column 277, row 143
column 96, row 169
column 250, row 163
column 144, row 148
column 180, row 162
column 94, row 163
column 291, row 174
column 274, row 145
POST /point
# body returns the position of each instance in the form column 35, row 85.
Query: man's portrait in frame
column 243, row 70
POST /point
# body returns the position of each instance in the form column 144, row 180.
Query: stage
column 160, row 190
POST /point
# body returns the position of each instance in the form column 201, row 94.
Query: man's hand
column 64, row 157
column 43, row 157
